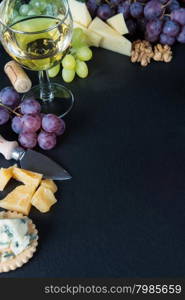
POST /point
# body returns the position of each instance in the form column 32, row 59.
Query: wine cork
column 18, row 77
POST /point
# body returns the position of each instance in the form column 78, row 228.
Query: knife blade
column 33, row 161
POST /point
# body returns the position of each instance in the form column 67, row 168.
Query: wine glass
column 37, row 34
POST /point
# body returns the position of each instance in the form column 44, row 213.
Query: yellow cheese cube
column 43, row 199
column 49, row 184
column 5, row 176
column 27, row 177
column 117, row 22
column 19, row 199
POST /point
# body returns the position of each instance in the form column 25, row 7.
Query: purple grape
column 104, row 12
column 30, row 106
column 141, row 24
column 166, row 39
column 124, row 8
column 136, row 10
column 166, row 18
column 17, row 124
column 153, row 9
column 154, row 27
column 46, row 141
column 181, row 36
column 178, row 16
column 173, row 5
column 171, row 28
column 9, row 97
column 131, row 25
column 115, row 3
column 164, row 1
column 62, row 128
column 51, row 123
column 4, row 115
column 28, row 139
column 92, row 6
column 31, row 123
column 151, row 37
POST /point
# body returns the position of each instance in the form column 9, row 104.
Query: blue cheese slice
column 14, row 234
column 6, row 255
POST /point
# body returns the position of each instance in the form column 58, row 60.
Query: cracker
column 23, row 257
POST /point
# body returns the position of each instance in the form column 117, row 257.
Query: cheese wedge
column 93, row 38
column 101, row 28
column 27, row 177
column 117, row 22
column 19, row 199
column 43, row 199
column 5, row 176
column 117, row 44
column 80, row 12
column 49, row 184
column 111, row 40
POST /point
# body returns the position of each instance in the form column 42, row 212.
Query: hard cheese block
column 27, row 177
column 19, row 199
column 43, row 199
column 49, row 184
column 93, row 38
column 5, row 176
column 103, row 29
column 111, row 40
column 80, row 12
column 117, row 22
column 117, row 44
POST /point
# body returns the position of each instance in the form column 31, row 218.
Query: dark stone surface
column 123, row 213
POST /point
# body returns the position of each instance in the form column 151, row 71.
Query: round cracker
column 23, row 257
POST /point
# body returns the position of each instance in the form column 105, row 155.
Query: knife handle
column 7, row 148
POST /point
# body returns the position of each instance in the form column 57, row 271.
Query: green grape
column 68, row 75
column 84, row 53
column 41, row 5
column 54, row 71
column 34, row 12
column 15, row 14
column 51, row 10
column 78, row 38
column 81, row 69
column 24, row 9
column 69, row 62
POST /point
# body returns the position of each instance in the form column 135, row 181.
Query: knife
column 32, row 160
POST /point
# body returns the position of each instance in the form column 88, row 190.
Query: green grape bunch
column 75, row 61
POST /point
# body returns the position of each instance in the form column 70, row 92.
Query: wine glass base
column 60, row 105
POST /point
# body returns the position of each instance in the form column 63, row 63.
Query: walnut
column 162, row 53
column 141, row 52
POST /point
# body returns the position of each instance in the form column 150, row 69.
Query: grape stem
column 11, row 110
column 167, row 3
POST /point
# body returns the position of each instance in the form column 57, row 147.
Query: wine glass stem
column 46, row 93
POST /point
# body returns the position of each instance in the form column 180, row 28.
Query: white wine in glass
column 37, row 34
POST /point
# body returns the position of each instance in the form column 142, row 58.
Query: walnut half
column 162, row 53
column 141, row 52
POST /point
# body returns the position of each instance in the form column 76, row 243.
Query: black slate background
column 123, row 213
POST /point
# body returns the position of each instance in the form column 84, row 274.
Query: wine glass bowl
column 36, row 34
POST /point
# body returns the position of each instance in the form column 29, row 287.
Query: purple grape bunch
column 155, row 20
column 32, row 126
